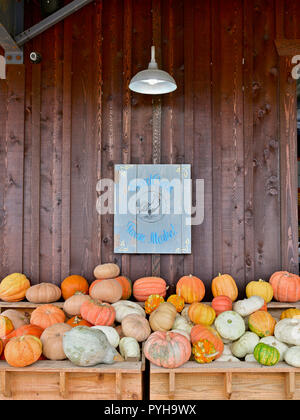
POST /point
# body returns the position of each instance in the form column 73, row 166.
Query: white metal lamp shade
column 152, row 81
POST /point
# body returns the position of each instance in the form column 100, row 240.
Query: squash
column 204, row 351
column 244, row 345
column 177, row 301
column 73, row 304
column 146, row 286
column 29, row 329
column 23, row 351
column 206, row 339
column 43, row 293
column 46, row 315
column 260, row 288
column 136, row 326
column 107, row 271
column 180, row 323
column 126, row 284
column 288, row 313
column 261, row 323
column 162, row 319
column 86, row 346
column 221, row 304
column 288, row 331
column 13, row 287
column 250, row 358
column 224, row 285
column 1, row 346
column 120, row 331
column 130, row 348
column 152, row 302
column 17, row 317
column 292, row 356
column 200, row 313
column 98, row 313
column 230, row 325
column 286, row 286
column 191, row 288
column 227, row 358
column 6, row 326
column 126, row 307
column 272, row 341
column 72, row 284
column 185, row 313
column 111, row 334
column 266, row 355
column 246, row 307
column 107, row 290
column 167, row 349
column 52, row 341
column 76, row 320
column 186, row 334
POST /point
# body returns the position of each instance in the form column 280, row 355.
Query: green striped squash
column 266, row 355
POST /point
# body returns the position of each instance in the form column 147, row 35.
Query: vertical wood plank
column 3, row 122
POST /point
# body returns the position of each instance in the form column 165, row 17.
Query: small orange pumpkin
column 23, row 351
column 98, row 313
column 75, row 321
column 262, row 323
column 191, row 288
column 177, row 301
column 153, row 302
column 72, row 284
column 46, row 315
column 200, row 313
column 221, row 304
column 224, row 285
column 6, row 326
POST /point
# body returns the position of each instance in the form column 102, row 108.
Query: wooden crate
column 49, row 380
column 25, row 306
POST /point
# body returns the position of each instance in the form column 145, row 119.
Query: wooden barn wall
column 64, row 123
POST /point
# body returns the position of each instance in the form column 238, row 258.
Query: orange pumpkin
column 13, row 287
column 23, row 351
column 6, row 326
column 191, row 288
column 107, row 290
column 29, row 329
column 262, row 323
column 46, row 315
column 93, row 284
column 72, row 284
column 153, row 302
column 177, row 301
column 98, row 313
column 221, row 304
column 75, row 321
column 146, row 286
column 224, row 285
column 286, row 286
column 200, row 313
column 126, row 284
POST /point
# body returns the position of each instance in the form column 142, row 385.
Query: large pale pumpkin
column 136, row 326
column 126, row 307
column 107, row 290
column 52, row 340
column 72, row 284
column 98, row 313
column 200, row 313
column 43, row 293
column 224, row 285
column 230, row 325
column 23, row 351
column 46, row 315
column 206, row 337
column 191, row 288
column 146, row 286
column 167, row 349
column 17, row 317
column 162, row 319
column 107, row 271
column 262, row 323
column 286, row 286
column 73, row 304
column 13, row 287
column 260, row 288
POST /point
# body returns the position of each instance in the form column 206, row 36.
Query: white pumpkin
column 185, row 313
column 227, row 350
column 126, row 307
column 246, row 307
column 245, row 344
column 186, row 334
column 181, row 323
column 230, row 325
column 288, row 331
column 250, row 358
column 273, row 342
column 129, row 348
column 111, row 334
column 292, row 356
column 227, row 358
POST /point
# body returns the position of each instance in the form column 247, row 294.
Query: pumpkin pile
column 112, row 319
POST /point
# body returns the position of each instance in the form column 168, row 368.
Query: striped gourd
column 266, row 355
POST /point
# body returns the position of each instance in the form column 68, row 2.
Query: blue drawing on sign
column 157, row 239
column 131, row 228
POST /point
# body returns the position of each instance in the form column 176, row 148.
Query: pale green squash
column 244, row 345
column 230, row 325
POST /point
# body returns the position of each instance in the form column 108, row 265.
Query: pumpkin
column 130, row 348
column 106, row 271
column 98, row 313
column 120, row 331
column 261, row 323
column 107, row 290
column 230, row 325
column 289, row 313
column 76, row 320
column 181, row 323
column 43, row 293
column 152, row 302
column 191, row 288
column 136, row 326
column 272, row 341
column 46, row 315
column 185, row 312
column 126, row 307
column 146, row 286
column 221, row 304
column 207, row 336
column 245, row 344
column 162, row 319
column 110, row 333
column 286, row 286
column 72, row 284
column 177, row 301
column 185, row 333
column 260, row 288
column 126, row 284
column 204, row 351
column 246, row 307
column 13, row 287
column 224, row 285
column 17, row 317
column 200, row 313
column 292, row 356
column 6, row 326
column 52, row 340
column 167, row 349
column 266, row 355
column 23, row 351
column 29, row 329
column 287, row 330
column 86, row 346
column 73, row 304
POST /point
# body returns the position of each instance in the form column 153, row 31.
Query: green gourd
column 266, row 355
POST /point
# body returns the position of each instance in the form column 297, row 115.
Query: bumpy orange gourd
column 221, row 304
column 200, row 313
column 224, row 285
column 177, row 301
column 98, row 313
column 126, row 284
column 286, row 286
column 262, row 323
column 6, row 326
column 199, row 333
column 152, row 302
column 23, row 351
column 191, row 288
column 46, row 315
column 72, row 284
column 204, row 351
column 13, row 287
column 260, row 288
column 290, row 313
column 146, row 286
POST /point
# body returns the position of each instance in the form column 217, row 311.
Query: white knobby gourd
column 288, row 331
column 129, row 348
column 181, row 323
column 273, row 342
column 230, row 325
column 244, row 345
column 292, row 356
column 126, row 307
column 246, row 307
column 227, row 350
column 111, row 334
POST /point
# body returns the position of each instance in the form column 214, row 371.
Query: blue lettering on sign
column 131, row 228
column 165, row 236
